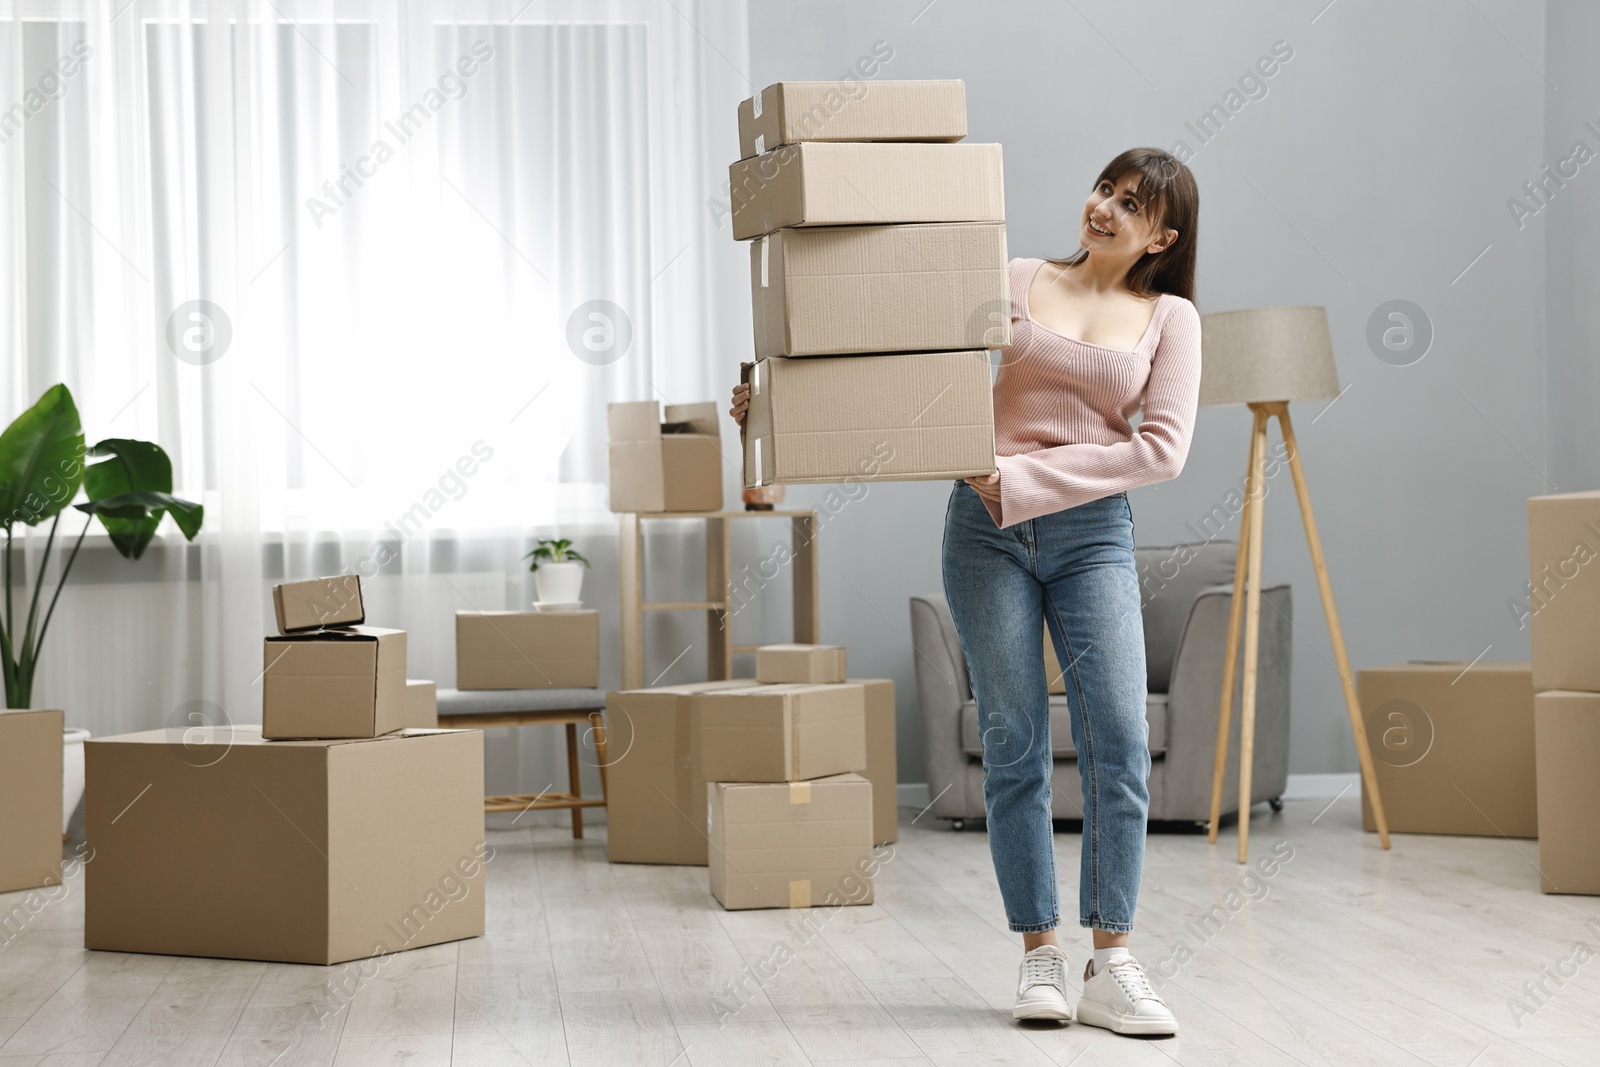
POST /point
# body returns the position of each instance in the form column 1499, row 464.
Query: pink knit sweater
column 1062, row 434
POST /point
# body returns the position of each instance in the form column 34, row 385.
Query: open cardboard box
column 664, row 460
column 338, row 683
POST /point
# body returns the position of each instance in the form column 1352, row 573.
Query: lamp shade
column 1262, row 355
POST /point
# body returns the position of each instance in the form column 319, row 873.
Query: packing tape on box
column 755, row 102
column 765, row 257
column 761, row 138
column 799, row 792
column 800, row 893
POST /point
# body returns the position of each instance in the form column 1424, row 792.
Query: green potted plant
column 557, row 572
column 43, row 467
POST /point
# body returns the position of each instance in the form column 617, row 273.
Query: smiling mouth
column 1098, row 229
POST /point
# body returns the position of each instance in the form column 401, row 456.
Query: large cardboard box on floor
column 1567, row 731
column 664, row 460
column 882, row 765
column 318, row 602
column 847, row 290
column 1452, row 747
column 30, row 799
column 816, row 184
column 293, row 851
column 781, row 733
column 925, row 416
column 804, row 664
column 791, row 844
column 1563, row 605
column 343, row 683
column 790, row 112
column 655, row 788
column 527, row 649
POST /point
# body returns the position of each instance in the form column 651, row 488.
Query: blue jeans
column 1073, row 570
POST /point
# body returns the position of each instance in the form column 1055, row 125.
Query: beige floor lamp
column 1266, row 358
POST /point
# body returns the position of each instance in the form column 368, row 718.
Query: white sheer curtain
column 338, row 258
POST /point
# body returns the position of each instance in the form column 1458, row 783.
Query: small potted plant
column 557, row 572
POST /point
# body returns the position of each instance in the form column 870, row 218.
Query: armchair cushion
column 1061, row 746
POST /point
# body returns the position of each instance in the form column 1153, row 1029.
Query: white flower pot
column 559, row 583
column 71, row 772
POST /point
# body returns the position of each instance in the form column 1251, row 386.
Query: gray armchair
column 1185, row 628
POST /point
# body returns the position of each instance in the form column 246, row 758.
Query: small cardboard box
column 817, row 184
column 1452, row 748
column 30, row 800
column 319, row 602
column 1567, row 733
column 802, row 664
column 655, row 789
column 791, row 844
column 1563, row 603
column 527, row 649
column 781, row 733
column 328, row 684
column 664, row 460
column 294, row 851
column 882, row 770
column 422, row 704
column 791, row 112
column 847, row 290
column 925, row 416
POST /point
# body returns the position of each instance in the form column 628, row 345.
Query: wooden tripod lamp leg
column 1230, row 661
column 1335, row 633
column 1252, row 635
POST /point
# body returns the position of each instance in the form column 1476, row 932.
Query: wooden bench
column 487, row 708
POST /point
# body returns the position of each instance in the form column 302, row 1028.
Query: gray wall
column 1377, row 166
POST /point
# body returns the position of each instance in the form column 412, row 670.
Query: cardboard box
column 1563, row 605
column 866, row 184
column 847, row 290
column 319, row 602
column 422, row 705
column 344, row 683
column 1567, row 732
column 30, row 800
column 655, row 788
column 781, row 733
column 882, row 769
column 791, row 112
column 1452, row 748
column 802, row 664
column 791, row 845
column 664, row 460
column 293, row 851
column 925, row 416
column 1055, row 678
column 527, row 649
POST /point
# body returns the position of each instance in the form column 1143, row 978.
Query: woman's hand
column 987, row 487
column 741, row 400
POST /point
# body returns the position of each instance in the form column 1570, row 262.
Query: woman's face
column 1116, row 221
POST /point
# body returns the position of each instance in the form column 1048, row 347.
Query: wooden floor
column 1347, row 955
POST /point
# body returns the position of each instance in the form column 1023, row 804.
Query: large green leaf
column 41, row 460
column 131, row 518
column 130, row 488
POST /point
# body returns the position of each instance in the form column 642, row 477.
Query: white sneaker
column 1042, row 986
column 1119, row 998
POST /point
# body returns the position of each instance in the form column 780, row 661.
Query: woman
column 1048, row 540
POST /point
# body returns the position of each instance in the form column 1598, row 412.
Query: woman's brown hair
column 1168, row 192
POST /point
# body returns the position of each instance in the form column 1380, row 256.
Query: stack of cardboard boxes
column 782, row 784
column 1564, row 612
column 331, row 832
column 877, row 279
